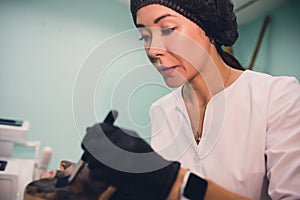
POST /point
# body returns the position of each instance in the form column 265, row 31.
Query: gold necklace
column 197, row 137
column 228, row 76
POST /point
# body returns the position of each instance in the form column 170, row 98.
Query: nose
column 156, row 48
column 154, row 52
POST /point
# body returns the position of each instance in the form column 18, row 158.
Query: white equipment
column 11, row 131
column 16, row 173
column 13, row 180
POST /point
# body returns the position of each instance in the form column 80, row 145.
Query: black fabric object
column 62, row 182
column 102, row 159
column 195, row 188
column 215, row 17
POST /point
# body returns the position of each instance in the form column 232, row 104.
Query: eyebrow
column 161, row 17
column 156, row 20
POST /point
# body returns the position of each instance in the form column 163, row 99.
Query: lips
column 167, row 70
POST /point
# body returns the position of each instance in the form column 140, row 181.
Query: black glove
column 128, row 162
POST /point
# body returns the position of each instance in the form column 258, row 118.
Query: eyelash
column 167, row 31
column 164, row 31
column 145, row 38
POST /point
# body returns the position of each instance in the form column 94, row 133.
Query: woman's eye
column 145, row 38
column 167, row 31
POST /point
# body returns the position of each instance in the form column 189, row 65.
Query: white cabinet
column 13, row 180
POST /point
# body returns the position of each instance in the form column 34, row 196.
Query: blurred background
column 45, row 43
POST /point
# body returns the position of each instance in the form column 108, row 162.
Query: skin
column 65, row 166
column 180, row 50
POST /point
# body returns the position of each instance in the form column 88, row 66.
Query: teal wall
column 280, row 47
column 43, row 45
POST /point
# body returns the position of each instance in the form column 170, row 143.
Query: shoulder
column 266, row 94
column 269, row 80
column 268, row 85
column 284, row 99
column 284, row 89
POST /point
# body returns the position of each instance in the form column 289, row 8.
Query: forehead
column 149, row 13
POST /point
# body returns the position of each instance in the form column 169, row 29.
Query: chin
column 174, row 84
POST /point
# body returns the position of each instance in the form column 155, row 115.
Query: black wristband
column 195, row 188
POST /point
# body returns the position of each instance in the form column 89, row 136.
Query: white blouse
column 250, row 140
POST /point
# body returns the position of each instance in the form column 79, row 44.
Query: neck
column 197, row 94
column 212, row 79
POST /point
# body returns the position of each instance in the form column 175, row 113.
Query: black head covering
column 215, row 17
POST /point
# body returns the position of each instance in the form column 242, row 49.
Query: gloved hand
column 128, row 162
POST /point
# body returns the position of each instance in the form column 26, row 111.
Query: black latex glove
column 128, row 162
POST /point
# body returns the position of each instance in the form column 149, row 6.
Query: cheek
column 192, row 50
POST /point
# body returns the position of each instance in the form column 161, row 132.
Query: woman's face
column 176, row 46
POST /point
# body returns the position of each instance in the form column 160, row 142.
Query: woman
column 224, row 133
column 238, row 128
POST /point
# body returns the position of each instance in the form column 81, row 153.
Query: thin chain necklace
column 228, row 76
column 197, row 134
column 197, row 138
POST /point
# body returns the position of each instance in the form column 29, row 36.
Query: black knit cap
column 215, row 17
